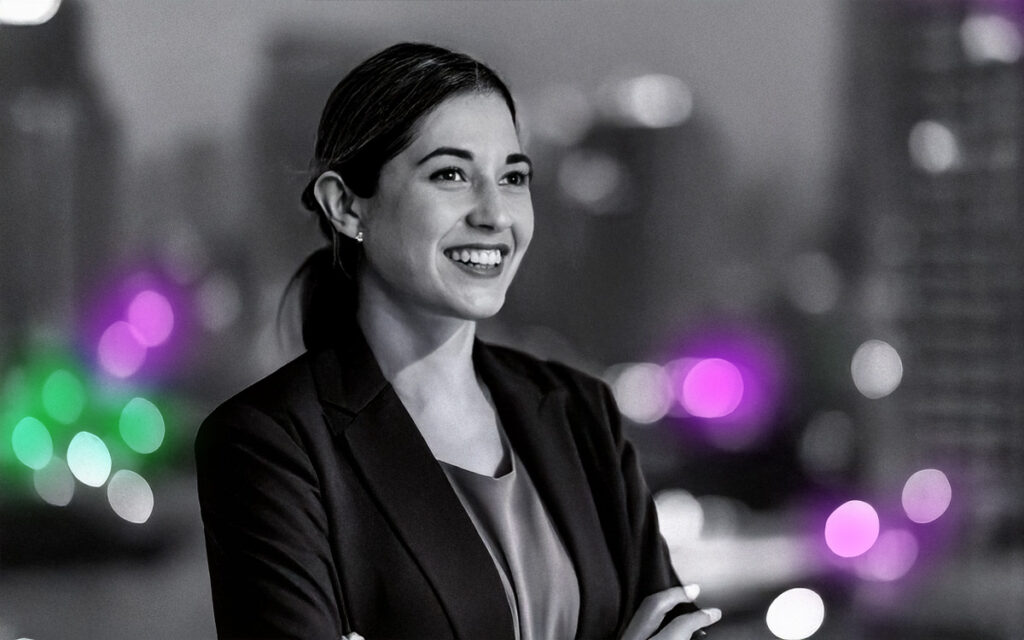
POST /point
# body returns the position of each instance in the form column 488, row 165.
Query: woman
column 402, row 479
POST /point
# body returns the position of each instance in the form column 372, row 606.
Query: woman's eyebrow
column 446, row 151
column 511, row 158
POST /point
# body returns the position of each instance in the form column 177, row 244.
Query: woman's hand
column 652, row 611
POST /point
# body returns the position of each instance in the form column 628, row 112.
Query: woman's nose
column 489, row 212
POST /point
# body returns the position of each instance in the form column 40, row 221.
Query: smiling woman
column 402, row 479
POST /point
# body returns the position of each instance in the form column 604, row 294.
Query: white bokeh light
column 796, row 614
column 130, row 496
column 926, row 495
column 933, row 146
column 877, row 369
column 89, row 459
column 54, row 483
column 27, row 12
column 680, row 515
column 654, row 100
column 642, row 391
column 991, row 38
column 591, row 178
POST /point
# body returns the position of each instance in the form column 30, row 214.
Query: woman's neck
column 418, row 352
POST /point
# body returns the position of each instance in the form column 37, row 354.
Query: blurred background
column 787, row 234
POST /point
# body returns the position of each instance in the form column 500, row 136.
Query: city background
column 787, row 234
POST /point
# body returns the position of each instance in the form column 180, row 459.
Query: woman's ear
column 338, row 202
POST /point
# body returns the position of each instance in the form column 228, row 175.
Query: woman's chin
column 480, row 308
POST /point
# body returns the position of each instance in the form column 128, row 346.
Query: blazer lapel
column 537, row 425
column 411, row 489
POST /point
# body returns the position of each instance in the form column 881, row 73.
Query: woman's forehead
column 475, row 120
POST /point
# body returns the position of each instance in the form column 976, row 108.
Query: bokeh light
column 27, row 12
column 89, row 459
column 141, row 425
column 653, row 100
column 121, row 351
column 933, row 146
column 990, row 38
column 32, row 443
column 642, row 391
column 152, row 316
column 877, row 369
column 712, row 388
column 795, row 614
column 729, row 380
column 63, row 396
column 926, row 495
column 851, row 529
column 130, row 496
column 813, row 283
column 891, row 557
column 591, row 178
column 54, row 483
column 680, row 515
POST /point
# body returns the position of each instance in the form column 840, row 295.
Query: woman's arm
column 271, row 570
column 656, row 600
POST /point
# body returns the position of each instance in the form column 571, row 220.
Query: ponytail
column 328, row 299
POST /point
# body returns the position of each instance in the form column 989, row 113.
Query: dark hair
column 370, row 117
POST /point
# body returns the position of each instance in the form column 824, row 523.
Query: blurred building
column 58, row 162
column 299, row 74
column 936, row 129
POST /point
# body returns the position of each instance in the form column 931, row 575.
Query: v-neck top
column 532, row 562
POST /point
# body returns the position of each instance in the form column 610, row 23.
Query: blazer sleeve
column 648, row 553
column 271, row 570
column 631, row 520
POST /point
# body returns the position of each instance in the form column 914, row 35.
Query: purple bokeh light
column 852, row 529
column 159, row 313
column 729, row 381
column 891, row 557
column 120, row 350
column 712, row 388
column 151, row 314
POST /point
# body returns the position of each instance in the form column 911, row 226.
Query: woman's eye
column 518, row 179
column 448, row 174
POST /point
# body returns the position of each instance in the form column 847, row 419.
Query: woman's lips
column 478, row 260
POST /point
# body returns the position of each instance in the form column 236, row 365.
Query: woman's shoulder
column 272, row 402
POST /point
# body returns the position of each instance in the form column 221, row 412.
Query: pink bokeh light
column 120, row 350
column 151, row 314
column 851, row 529
column 891, row 557
column 712, row 388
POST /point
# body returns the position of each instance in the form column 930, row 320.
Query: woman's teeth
column 475, row 257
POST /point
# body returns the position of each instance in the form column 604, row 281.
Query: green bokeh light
column 142, row 425
column 32, row 443
column 63, row 396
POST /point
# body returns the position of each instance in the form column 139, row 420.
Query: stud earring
column 359, row 236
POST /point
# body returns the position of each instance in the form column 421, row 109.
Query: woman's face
column 452, row 216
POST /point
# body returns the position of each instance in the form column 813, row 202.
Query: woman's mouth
column 478, row 261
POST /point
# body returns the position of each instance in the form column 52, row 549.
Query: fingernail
column 713, row 613
column 692, row 591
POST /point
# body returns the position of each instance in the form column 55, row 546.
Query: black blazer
column 325, row 511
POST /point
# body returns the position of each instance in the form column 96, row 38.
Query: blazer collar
column 366, row 417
